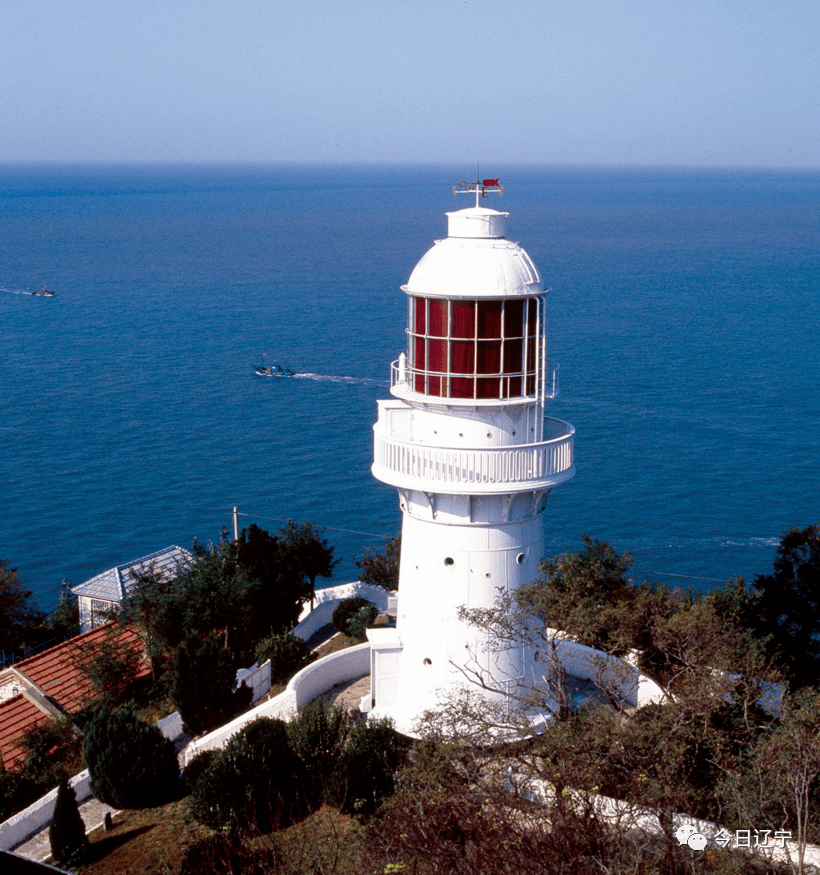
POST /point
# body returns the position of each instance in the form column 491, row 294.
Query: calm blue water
column 684, row 315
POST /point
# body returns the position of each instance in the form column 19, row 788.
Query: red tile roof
column 17, row 716
column 55, row 672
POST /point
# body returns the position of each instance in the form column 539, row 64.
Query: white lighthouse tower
column 465, row 442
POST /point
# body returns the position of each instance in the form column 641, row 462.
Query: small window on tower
column 449, row 561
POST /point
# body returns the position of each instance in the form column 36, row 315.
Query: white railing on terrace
column 517, row 468
column 402, row 379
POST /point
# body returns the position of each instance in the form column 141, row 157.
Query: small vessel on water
column 274, row 370
column 44, row 292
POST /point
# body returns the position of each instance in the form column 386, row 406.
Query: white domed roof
column 475, row 261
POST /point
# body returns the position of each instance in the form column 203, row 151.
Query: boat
column 274, row 370
column 44, row 293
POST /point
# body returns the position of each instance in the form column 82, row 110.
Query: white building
column 465, row 442
column 105, row 592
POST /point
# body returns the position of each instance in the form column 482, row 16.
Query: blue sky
column 698, row 82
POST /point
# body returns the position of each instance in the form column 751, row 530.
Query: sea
column 684, row 313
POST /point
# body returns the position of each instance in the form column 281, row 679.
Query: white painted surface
column 473, row 474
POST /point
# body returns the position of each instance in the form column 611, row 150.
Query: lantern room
column 475, row 324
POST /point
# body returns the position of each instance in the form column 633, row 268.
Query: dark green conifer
column 66, row 832
column 132, row 765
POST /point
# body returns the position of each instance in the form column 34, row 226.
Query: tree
column 18, row 615
column 66, row 832
column 789, row 605
column 287, row 654
column 580, row 592
column 52, row 748
column 202, row 684
column 65, row 618
column 312, row 553
column 382, row 568
column 132, row 764
column 113, row 665
column 278, row 569
column 211, row 596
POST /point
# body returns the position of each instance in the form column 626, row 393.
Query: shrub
column 254, row 783
column 287, row 654
column 66, row 832
column 346, row 609
column 318, row 735
column 362, row 620
column 197, row 767
column 131, row 764
column 365, row 774
column 113, row 666
column 202, row 684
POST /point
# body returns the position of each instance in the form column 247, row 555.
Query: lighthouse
column 465, row 442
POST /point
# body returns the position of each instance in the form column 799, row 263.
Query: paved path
column 37, row 847
column 348, row 694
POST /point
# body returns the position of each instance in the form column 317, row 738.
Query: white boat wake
column 329, row 378
column 15, row 291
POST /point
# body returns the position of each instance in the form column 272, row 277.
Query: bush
column 318, row 735
column 255, row 783
column 365, row 774
column 362, row 620
column 66, row 832
column 202, row 684
column 346, row 609
column 197, row 767
column 287, row 654
column 131, row 764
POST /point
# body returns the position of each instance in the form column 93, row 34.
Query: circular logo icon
column 696, row 841
column 682, row 833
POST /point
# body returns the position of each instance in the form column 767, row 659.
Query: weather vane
column 479, row 188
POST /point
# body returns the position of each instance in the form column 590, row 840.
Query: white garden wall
column 306, row 685
column 327, row 600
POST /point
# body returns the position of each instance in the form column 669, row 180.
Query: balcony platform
column 494, row 470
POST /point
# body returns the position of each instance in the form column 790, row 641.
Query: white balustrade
column 523, row 467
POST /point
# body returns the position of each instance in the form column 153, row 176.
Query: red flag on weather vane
column 489, row 183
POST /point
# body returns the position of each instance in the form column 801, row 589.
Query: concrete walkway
column 37, row 846
column 348, row 694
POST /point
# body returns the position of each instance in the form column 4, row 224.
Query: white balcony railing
column 494, row 470
column 402, row 382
